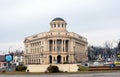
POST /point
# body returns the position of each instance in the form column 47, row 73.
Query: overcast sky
column 97, row 20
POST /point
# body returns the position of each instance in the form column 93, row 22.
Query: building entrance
column 50, row 59
column 58, row 59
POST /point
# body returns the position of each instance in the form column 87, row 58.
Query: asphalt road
column 112, row 74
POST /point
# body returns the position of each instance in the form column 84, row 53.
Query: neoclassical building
column 56, row 46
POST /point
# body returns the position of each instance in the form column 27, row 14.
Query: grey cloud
column 21, row 18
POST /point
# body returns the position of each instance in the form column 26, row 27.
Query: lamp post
column 9, row 50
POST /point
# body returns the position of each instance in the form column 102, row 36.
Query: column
column 52, row 59
column 53, row 45
column 48, row 45
column 35, row 61
column 62, row 57
column 62, row 46
column 68, row 45
column 26, row 60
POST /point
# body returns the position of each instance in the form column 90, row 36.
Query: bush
column 66, row 63
column 53, row 69
column 21, row 68
column 24, row 67
column 82, row 68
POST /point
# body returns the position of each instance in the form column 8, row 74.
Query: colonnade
column 58, row 45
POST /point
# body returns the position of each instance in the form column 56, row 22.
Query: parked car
column 3, row 69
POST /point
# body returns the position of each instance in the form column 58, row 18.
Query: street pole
column 9, row 68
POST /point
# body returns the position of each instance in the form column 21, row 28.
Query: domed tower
column 58, row 24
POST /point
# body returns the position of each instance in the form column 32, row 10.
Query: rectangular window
column 58, row 48
column 59, row 45
column 50, row 45
column 58, row 41
column 58, row 25
column 62, row 25
column 54, row 25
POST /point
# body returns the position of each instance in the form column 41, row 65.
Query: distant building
column 2, row 61
column 17, row 58
column 56, row 46
column 2, row 58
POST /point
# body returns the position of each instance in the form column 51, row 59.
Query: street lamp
column 9, row 50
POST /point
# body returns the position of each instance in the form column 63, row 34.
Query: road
column 113, row 74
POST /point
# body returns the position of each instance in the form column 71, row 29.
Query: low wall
column 100, row 68
column 62, row 67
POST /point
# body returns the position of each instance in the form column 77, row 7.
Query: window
column 67, row 58
column 40, row 42
column 50, row 45
column 51, row 33
column 54, row 59
column 58, row 48
column 58, row 25
column 54, row 25
column 59, row 45
column 35, row 49
column 58, row 41
column 62, row 25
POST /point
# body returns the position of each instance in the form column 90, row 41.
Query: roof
column 58, row 19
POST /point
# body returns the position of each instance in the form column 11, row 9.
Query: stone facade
column 62, row 67
column 56, row 46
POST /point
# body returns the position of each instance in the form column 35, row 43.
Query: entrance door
column 58, row 59
column 67, row 58
column 50, row 59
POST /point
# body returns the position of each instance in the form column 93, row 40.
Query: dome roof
column 58, row 19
